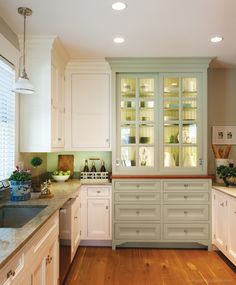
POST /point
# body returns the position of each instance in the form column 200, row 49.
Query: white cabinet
column 96, row 212
column 42, row 113
column 224, row 221
column 88, row 105
column 37, row 263
column 75, row 225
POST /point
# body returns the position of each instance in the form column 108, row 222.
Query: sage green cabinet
column 159, row 115
column 164, row 212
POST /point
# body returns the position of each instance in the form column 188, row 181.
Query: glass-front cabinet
column 136, row 122
column 160, row 113
column 181, row 121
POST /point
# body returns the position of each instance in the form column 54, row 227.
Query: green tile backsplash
column 80, row 157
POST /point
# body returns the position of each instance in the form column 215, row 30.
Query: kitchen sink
column 14, row 216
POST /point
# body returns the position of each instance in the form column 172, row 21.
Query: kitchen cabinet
column 42, row 114
column 37, row 262
column 70, row 224
column 88, row 105
column 160, row 119
column 224, row 232
column 96, row 214
column 45, row 254
column 164, row 212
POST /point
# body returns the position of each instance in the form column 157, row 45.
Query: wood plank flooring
column 103, row 266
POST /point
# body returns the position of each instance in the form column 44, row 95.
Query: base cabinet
column 96, row 212
column 161, row 211
column 224, row 232
column 37, row 263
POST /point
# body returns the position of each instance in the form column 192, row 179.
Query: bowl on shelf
column 144, row 139
column 61, row 178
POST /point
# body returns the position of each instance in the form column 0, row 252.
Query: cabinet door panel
column 76, row 226
column 98, row 218
column 90, row 110
column 219, row 220
column 231, row 229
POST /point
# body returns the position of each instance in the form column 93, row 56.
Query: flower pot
column 20, row 190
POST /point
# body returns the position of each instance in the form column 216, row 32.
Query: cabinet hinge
column 214, row 196
column 226, row 203
column 214, row 236
column 80, row 232
column 226, row 247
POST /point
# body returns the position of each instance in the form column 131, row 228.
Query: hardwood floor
column 98, row 266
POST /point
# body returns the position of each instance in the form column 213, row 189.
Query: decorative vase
column 20, row 190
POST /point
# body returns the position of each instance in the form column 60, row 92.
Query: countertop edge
column 231, row 191
column 118, row 176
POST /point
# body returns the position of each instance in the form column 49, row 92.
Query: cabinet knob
column 75, row 217
column 137, row 212
column 185, row 185
column 222, row 204
column 137, row 231
column 185, row 212
column 10, row 273
column 185, row 197
column 107, row 207
column 98, row 191
column 107, row 140
column 138, row 185
column 185, row 231
column 137, row 197
column 59, row 139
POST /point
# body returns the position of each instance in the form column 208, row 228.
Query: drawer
column 186, row 212
column 137, row 185
column 137, row 212
column 137, row 196
column 186, row 231
column 184, row 196
column 140, row 232
column 186, row 185
column 98, row 191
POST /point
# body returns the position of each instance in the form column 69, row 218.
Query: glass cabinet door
column 180, row 121
column 136, row 123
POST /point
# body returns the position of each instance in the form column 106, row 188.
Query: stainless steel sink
column 12, row 216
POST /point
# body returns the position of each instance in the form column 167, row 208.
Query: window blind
column 7, row 119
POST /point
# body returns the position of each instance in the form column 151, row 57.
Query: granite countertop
column 13, row 239
column 228, row 190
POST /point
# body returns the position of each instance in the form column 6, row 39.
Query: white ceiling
column 152, row 28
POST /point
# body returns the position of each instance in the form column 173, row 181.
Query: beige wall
column 26, row 158
column 221, row 106
column 6, row 31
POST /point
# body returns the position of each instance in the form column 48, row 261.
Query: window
column 7, row 119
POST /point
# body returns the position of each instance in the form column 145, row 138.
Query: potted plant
column 20, row 181
column 228, row 174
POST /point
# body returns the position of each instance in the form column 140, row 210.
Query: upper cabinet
column 88, row 105
column 160, row 116
column 42, row 114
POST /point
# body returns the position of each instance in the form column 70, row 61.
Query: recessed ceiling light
column 118, row 6
column 216, row 39
column 118, row 40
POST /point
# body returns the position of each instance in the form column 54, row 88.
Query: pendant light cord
column 24, row 73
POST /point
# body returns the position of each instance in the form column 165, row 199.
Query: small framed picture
column 224, row 134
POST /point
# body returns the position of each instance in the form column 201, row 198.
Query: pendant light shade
column 23, row 85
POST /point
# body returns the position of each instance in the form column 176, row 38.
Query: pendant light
column 23, row 85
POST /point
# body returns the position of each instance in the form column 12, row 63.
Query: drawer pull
column 185, row 212
column 185, row 197
column 185, row 231
column 137, row 231
column 98, row 191
column 137, row 197
column 107, row 208
column 186, row 185
column 75, row 217
column 138, row 185
column 222, row 204
column 137, row 212
column 10, row 273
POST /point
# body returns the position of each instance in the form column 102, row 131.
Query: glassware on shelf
column 171, row 87
column 128, row 88
column 146, row 156
column 146, row 87
column 128, row 134
column 171, row 133
column 169, row 160
column 189, row 133
column 146, row 134
column 128, row 156
column 171, row 110
column 189, row 156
